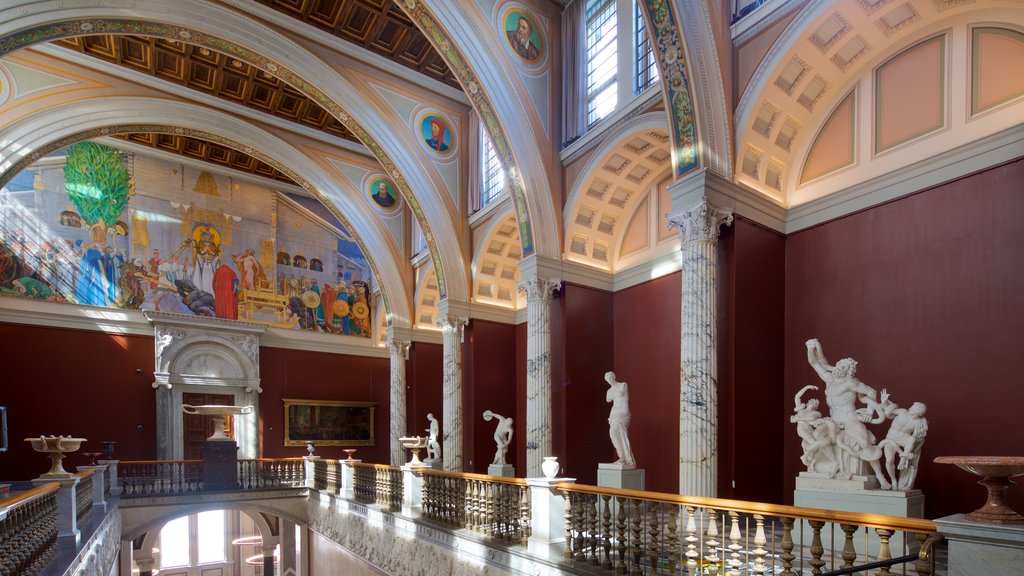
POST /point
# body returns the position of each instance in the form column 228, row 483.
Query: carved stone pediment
column 205, row 351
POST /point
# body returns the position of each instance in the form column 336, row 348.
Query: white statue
column 433, row 447
column 817, row 435
column 838, row 444
column 618, row 420
column 842, row 390
column 502, row 436
column 905, row 439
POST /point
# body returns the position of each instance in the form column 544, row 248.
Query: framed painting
column 328, row 423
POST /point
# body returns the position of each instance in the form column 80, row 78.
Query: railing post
column 67, row 508
column 348, row 480
column 412, row 491
column 115, row 486
column 307, row 468
column 547, row 517
column 98, row 486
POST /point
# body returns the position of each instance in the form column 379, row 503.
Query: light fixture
column 248, row 541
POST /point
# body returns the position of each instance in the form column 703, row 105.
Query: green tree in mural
column 98, row 183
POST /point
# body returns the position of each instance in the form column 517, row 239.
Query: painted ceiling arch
column 227, row 31
column 829, row 53
column 531, row 175
column 691, row 79
column 50, row 129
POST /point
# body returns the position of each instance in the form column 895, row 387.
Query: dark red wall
column 426, row 382
column 489, row 376
column 750, row 368
column 647, row 358
column 581, row 426
column 927, row 294
column 75, row 383
column 307, row 375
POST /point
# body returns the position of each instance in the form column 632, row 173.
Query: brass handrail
column 32, row 494
column 917, row 525
column 473, row 476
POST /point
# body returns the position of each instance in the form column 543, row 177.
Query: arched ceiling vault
column 832, row 50
column 241, row 37
column 50, row 129
column 684, row 44
column 466, row 44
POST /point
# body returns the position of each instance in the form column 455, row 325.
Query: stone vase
column 550, row 466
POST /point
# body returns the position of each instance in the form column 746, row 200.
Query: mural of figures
column 225, row 255
column 437, row 134
column 522, row 35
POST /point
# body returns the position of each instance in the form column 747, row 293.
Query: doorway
column 197, row 429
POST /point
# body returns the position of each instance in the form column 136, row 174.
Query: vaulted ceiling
column 212, row 73
column 377, row 25
column 207, row 151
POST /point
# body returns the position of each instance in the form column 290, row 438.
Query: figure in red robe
column 327, row 297
column 225, row 293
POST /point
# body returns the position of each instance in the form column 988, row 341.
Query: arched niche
column 204, row 356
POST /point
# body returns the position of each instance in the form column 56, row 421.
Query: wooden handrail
column 158, row 462
column 30, row 495
column 298, row 459
column 370, row 465
column 779, row 510
column 473, row 476
column 85, row 473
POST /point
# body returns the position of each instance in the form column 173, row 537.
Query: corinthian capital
column 451, row 324
column 539, row 289
column 399, row 347
column 701, row 221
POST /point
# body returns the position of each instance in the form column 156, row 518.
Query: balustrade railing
column 494, row 506
column 260, row 473
column 28, row 530
column 84, row 497
column 379, row 484
column 327, row 475
column 631, row 532
column 159, row 477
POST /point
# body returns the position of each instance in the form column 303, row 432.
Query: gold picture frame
column 328, row 423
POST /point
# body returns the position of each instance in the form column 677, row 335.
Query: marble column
column 538, row 371
column 399, row 354
column 452, row 328
column 164, row 422
column 698, row 366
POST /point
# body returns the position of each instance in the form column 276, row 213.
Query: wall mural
column 135, row 233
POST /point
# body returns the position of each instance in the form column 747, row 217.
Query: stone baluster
column 884, row 553
column 570, row 521
column 592, row 523
column 636, row 542
column 692, row 554
column 698, row 367
column 539, row 292
column 759, row 543
column 734, row 545
column 711, row 543
column 452, row 329
column 606, row 533
column 654, row 535
column 621, row 536
column 787, row 545
column 673, row 538
column 849, row 550
column 399, row 354
column 817, row 550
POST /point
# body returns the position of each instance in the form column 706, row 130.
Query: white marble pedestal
column 977, row 548
column 615, row 476
column 820, row 492
column 506, row 470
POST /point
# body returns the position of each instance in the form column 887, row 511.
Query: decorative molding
column 956, row 163
column 651, row 270
column 742, row 201
column 760, row 18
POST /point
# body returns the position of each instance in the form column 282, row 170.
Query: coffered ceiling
column 212, row 73
column 208, row 152
column 377, row 25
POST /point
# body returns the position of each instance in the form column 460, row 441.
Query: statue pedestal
column 978, row 548
column 220, row 465
column 506, row 470
column 615, row 476
column 819, row 491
